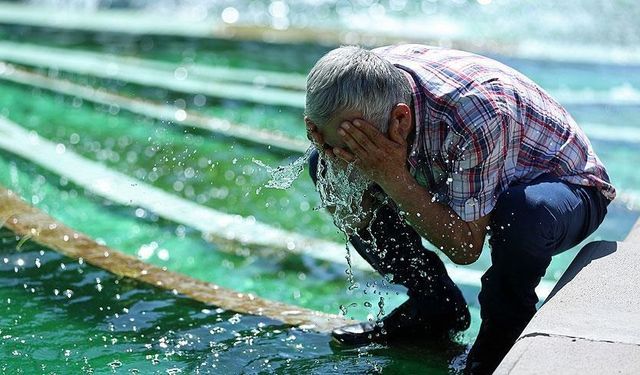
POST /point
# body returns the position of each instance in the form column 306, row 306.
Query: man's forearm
column 436, row 222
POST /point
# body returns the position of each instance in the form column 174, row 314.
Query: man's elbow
column 469, row 252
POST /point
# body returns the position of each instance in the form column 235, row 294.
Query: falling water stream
column 342, row 189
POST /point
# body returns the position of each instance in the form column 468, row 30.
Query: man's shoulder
column 417, row 51
column 400, row 50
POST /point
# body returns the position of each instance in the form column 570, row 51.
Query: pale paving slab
column 567, row 356
column 590, row 323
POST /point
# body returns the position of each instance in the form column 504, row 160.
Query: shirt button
column 471, row 201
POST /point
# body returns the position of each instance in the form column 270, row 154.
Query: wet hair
column 351, row 78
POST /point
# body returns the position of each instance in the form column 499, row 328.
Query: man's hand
column 381, row 159
column 317, row 140
column 384, row 160
column 314, row 135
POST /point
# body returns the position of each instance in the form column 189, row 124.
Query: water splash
column 381, row 311
column 342, row 189
column 349, row 270
column 344, row 310
column 282, row 177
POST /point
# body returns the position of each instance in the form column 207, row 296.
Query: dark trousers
column 530, row 223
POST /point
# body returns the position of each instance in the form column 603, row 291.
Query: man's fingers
column 344, row 155
column 363, row 143
column 333, row 158
column 354, row 147
column 374, row 135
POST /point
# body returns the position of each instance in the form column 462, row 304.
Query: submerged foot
column 491, row 346
column 413, row 320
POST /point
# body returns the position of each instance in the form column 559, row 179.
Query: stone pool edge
column 590, row 322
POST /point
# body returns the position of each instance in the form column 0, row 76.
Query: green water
column 172, row 332
column 64, row 317
column 90, row 312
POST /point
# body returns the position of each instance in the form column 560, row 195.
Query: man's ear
column 401, row 121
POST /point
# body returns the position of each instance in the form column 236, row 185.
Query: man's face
column 329, row 131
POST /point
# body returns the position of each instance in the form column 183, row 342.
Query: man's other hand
column 314, row 135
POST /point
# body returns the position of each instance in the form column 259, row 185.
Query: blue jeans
column 530, row 223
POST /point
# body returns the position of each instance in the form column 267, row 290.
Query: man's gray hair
column 351, row 78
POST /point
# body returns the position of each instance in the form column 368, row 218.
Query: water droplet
column 114, row 364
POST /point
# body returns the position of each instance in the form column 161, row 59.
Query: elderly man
column 457, row 147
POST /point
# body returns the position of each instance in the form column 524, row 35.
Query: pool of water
column 102, row 323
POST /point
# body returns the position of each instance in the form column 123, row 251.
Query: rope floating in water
column 147, row 74
column 33, row 224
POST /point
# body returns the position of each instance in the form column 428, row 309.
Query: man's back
column 488, row 126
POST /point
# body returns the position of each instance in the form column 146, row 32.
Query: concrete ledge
column 590, row 324
column 565, row 355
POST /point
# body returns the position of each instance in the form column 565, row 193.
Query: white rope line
column 100, row 66
column 153, row 110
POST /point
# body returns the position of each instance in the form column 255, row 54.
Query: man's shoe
column 414, row 319
column 491, row 346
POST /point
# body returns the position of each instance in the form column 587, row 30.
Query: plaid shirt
column 482, row 126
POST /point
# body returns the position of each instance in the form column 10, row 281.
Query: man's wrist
column 400, row 185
